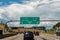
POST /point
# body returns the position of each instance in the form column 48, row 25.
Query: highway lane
column 49, row 37
column 20, row 37
column 41, row 37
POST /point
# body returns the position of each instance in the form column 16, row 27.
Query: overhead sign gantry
column 31, row 20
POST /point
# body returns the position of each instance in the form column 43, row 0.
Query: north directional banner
column 29, row 20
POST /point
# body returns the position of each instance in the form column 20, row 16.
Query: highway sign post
column 29, row 20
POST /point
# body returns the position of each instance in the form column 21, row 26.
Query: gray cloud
column 43, row 9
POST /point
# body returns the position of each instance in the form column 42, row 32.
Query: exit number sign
column 29, row 20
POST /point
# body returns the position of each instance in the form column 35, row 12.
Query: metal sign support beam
column 40, row 21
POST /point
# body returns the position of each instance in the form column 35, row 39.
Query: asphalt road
column 41, row 37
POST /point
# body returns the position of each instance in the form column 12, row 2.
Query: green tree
column 10, row 29
column 57, row 25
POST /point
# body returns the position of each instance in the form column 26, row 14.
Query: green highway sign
column 29, row 20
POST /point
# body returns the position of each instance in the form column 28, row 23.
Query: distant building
column 22, row 29
column 39, row 27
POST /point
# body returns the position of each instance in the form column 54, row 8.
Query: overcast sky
column 45, row 9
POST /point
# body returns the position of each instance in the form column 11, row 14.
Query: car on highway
column 58, row 32
column 36, row 33
column 28, row 35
